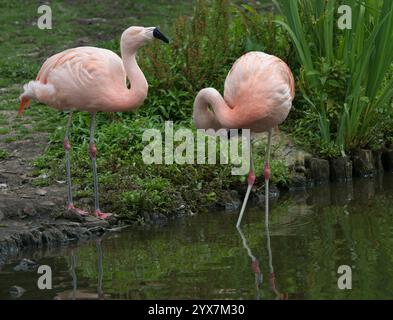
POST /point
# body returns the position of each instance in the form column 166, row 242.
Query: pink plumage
column 258, row 95
column 92, row 79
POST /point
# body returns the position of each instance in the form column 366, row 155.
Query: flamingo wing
column 260, row 87
column 82, row 78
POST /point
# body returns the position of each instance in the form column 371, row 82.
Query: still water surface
column 310, row 235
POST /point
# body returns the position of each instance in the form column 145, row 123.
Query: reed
column 366, row 51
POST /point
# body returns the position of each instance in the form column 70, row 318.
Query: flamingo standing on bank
column 92, row 79
column 258, row 95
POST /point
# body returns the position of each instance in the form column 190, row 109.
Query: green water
column 204, row 257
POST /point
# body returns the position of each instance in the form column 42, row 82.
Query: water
column 204, row 257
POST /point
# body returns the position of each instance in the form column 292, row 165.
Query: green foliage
column 3, row 154
column 202, row 51
column 343, row 72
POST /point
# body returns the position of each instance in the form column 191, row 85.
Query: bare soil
column 32, row 216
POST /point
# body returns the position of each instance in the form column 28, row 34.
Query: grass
column 3, row 154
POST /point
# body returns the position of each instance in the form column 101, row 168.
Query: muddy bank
column 33, row 217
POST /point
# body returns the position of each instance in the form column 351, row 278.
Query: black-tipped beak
column 159, row 35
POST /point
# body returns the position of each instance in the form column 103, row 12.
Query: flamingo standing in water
column 92, row 79
column 258, row 95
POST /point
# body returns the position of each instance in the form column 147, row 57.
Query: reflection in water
column 255, row 264
column 309, row 234
column 84, row 294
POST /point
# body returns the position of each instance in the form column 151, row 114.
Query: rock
column 73, row 216
column 387, row 160
column 341, row 169
column 363, row 163
column 48, row 203
column 378, row 161
column 16, row 291
column 29, row 210
column 1, row 215
column 3, row 186
column 257, row 197
column 3, row 179
column 320, row 169
column 159, row 218
column 229, row 202
column 298, row 182
column 26, row 265
column 301, row 169
column 146, row 217
column 92, row 222
column 41, row 192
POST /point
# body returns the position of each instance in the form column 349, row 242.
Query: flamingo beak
column 159, row 35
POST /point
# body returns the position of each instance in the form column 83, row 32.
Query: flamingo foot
column 102, row 215
column 80, row 212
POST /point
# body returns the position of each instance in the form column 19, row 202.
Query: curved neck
column 139, row 87
column 222, row 115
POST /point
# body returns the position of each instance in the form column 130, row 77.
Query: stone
column 26, row 265
column 93, row 222
column 41, row 192
column 320, row 170
column 298, row 182
column 1, row 215
column 363, row 163
column 73, row 216
column 341, row 169
column 48, row 203
column 16, row 291
column 29, row 210
column 378, row 165
column 387, row 160
column 301, row 169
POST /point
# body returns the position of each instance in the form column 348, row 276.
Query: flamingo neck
column 136, row 95
column 222, row 114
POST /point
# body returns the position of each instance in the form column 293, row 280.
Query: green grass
column 3, row 154
column 4, row 131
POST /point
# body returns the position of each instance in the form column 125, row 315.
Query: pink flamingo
column 92, row 79
column 258, row 95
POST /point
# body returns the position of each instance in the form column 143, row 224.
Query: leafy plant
column 365, row 52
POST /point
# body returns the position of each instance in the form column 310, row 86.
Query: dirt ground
column 32, row 216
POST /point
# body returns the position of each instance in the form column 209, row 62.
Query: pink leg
column 67, row 148
column 93, row 155
column 250, row 180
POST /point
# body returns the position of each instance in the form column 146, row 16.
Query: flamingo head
column 137, row 37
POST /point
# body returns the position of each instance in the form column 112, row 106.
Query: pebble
column 26, row 265
column 41, row 192
column 16, row 291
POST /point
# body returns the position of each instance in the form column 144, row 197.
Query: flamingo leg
column 267, row 174
column 67, row 148
column 251, row 181
column 93, row 156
